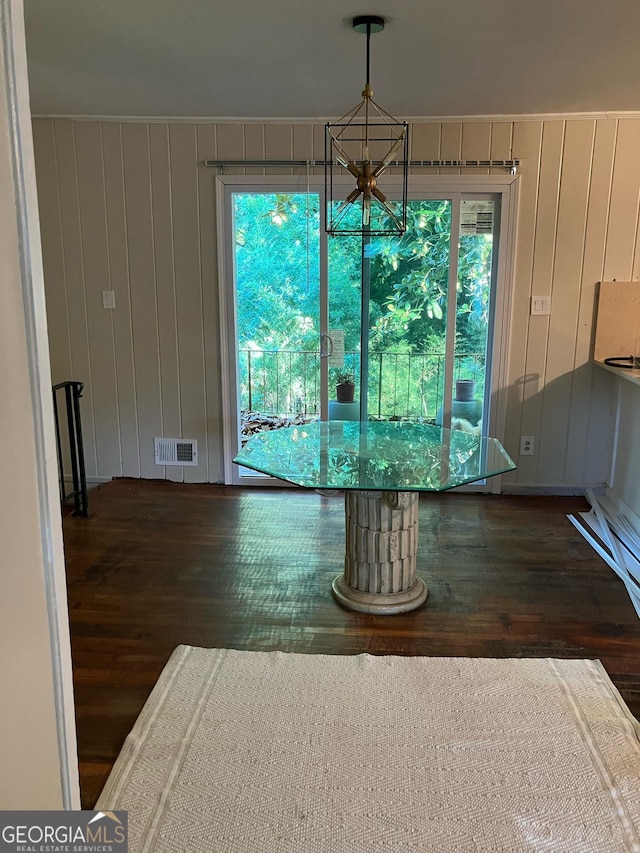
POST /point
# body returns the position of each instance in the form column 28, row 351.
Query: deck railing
column 401, row 385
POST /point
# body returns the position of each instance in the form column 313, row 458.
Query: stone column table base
column 381, row 548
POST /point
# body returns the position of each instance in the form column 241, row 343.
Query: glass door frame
column 421, row 187
column 226, row 187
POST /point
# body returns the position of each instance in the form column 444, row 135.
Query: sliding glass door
column 275, row 262
column 428, row 306
column 411, row 320
column 407, row 279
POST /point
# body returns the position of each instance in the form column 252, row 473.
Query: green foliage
column 277, row 269
column 409, row 277
column 277, row 260
column 341, row 377
column 409, row 283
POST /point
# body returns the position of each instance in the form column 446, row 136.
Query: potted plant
column 345, row 387
column 465, row 390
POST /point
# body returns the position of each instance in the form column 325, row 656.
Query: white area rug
column 256, row 752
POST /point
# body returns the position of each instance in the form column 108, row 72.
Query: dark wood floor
column 160, row 564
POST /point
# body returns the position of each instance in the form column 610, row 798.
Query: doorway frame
column 225, row 187
column 41, row 580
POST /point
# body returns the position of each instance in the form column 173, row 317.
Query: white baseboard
column 92, row 481
column 538, row 489
column 507, row 489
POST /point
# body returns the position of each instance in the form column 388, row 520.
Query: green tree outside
column 277, row 264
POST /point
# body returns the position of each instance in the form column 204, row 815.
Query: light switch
column 108, row 299
column 541, row 305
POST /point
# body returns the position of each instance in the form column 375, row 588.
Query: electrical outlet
column 108, row 299
column 527, row 445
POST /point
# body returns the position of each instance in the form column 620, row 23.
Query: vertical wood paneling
column 131, row 209
column 596, row 460
column 527, row 141
column 627, row 474
column 590, row 421
column 424, row 140
column 596, row 231
column 601, row 430
column 230, row 139
column 319, row 132
column 476, row 145
column 635, row 275
column 142, row 272
column 74, row 272
column 541, row 283
column 501, row 138
column 95, row 262
column 209, row 144
column 621, row 234
column 122, row 324
column 623, row 214
column 302, row 145
column 565, row 295
column 52, row 250
column 210, row 308
column 163, row 253
column 186, row 235
column 254, row 147
column 278, row 143
column 451, row 145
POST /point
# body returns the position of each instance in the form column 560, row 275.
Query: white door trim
column 420, row 186
column 19, row 146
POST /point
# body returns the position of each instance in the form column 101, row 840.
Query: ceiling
column 297, row 59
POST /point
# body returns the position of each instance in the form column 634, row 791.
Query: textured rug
column 266, row 752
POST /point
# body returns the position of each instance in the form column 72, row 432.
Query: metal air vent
column 176, row 451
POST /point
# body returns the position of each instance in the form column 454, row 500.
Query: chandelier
column 366, row 143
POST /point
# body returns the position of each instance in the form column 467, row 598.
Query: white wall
column 624, row 483
column 38, row 765
column 130, row 207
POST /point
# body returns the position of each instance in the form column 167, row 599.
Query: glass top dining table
column 382, row 466
column 386, row 455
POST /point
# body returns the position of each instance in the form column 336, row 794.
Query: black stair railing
column 72, row 395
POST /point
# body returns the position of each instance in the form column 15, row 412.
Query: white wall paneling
column 130, row 208
column 590, row 412
column 210, row 306
column 565, row 290
column 143, row 288
column 624, row 453
column 622, row 228
column 189, row 327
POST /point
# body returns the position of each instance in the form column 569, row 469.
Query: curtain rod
column 512, row 165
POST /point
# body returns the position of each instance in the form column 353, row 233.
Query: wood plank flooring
column 159, row 564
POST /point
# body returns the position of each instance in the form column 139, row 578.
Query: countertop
column 632, row 375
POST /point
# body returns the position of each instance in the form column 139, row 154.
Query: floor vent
column 176, row 451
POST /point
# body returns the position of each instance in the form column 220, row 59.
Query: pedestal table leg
column 380, row 559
